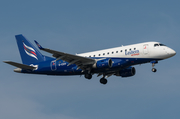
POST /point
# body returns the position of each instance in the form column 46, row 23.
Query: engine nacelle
column 118, row 63
column 105, row 63
column 130, row 71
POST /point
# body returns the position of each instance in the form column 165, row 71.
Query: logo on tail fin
column 30, row 51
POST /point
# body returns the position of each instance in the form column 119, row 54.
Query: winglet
column 39, row 46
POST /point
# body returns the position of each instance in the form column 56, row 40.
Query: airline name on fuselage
column 132, row 53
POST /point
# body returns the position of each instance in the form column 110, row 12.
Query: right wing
column 81, row 62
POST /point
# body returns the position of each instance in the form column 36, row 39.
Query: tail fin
column 29, row 54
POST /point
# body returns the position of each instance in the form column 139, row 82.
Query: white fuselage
column 153, row 50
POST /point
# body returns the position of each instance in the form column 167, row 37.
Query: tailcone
column 18, row 70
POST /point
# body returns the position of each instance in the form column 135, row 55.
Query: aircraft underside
column 61, row 68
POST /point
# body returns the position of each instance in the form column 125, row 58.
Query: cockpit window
column 159, row 45
column 162, row 45
column 156, row 45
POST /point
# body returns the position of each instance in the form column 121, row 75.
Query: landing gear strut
column 103, row 81
column 153, row 64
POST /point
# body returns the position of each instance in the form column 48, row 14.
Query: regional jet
column 118, row 61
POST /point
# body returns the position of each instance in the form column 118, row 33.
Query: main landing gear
column 88, row 76
column 103, row 81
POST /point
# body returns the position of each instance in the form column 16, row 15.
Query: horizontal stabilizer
column 22, row 66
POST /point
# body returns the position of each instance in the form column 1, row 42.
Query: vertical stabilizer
column 29, row 54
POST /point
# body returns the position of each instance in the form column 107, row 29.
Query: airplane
column 118, row 61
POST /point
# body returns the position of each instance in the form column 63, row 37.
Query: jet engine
column 130, row 71
column 105, row 63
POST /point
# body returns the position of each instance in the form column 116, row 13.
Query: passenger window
column 108, row 53
column 99, row 54
column 112, row 52
column 103, row 53
column 129, row 49
column 94, row 55
column 125, row 49
column 121, row 50
column 134, row 48
column 89, row 56
column 116, row 51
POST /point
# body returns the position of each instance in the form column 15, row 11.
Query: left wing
column 81, row 62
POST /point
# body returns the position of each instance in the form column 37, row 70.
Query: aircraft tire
column 103, row 81
column 88, row 76
column 154, row 70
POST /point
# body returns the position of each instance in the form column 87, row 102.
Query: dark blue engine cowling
column 105, row 63
column 116, row 62
column 120, row 63
column 130, row 71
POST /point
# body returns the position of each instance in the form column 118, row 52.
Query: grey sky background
column 81, row 26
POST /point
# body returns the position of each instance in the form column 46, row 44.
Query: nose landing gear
column 154, row 69
column 153, row 64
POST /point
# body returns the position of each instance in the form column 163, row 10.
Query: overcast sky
column 77, row 26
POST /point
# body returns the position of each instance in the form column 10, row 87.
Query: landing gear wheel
column 154, row 70
column 103, row 81
column 88, row 76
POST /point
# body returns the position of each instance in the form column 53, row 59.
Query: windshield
column 155, row 45
column 162, row 45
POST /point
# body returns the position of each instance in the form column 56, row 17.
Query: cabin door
column 53, row 65
column 145, row 49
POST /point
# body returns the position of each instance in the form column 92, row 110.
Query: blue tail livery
column 118, row 61
column 29, row 54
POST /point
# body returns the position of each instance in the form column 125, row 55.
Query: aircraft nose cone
column 172, row 52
